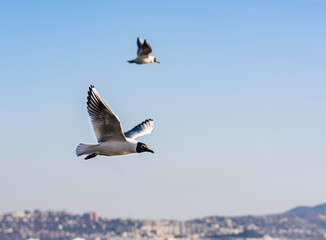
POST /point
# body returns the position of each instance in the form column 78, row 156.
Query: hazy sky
column 238, row 103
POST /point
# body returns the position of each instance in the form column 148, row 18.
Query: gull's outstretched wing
column 141, row 129
column 140, row 43
column 145, row 49
column 106, row 125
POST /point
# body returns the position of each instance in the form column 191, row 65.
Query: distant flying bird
column 143, row 53
column 111, row 139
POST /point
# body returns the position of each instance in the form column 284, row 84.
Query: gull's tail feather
column 131, row 61
column 83, row 149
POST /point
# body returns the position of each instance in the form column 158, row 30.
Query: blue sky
column 238, row 102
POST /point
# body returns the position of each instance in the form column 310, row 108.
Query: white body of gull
column 111, row 139
column 143, row 53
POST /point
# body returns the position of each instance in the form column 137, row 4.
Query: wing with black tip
column 145, row 50
column 105, row 123
column 141, row 129
column 140, row 43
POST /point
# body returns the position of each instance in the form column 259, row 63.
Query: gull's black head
column 155, row 60
column 142, row 147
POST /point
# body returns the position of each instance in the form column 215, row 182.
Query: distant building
column 91, row 216
column 37, row 210
column 18, row 214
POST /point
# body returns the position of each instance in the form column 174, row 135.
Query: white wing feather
column 141, row 129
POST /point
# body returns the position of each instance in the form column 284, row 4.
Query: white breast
column 111, row 148
column 144, row 60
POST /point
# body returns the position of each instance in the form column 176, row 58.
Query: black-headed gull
column 111, row 139
column 143, row 53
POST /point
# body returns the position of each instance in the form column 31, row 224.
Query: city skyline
column 297, row 223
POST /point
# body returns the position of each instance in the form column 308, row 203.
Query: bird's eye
column 143, row 146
